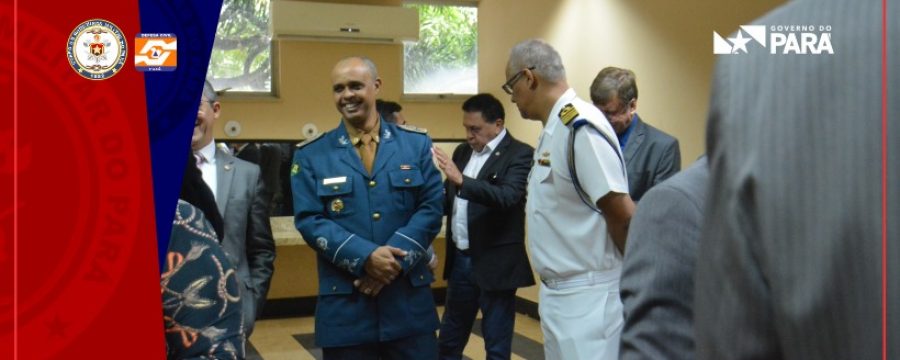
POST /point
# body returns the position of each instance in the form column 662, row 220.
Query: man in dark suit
column 651, row 155
column 485, row 208
column 790, row 260
column 657, row 283
column 246, row 151
column 241, row 201
column 390, row 111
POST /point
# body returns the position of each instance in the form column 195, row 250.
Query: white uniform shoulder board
column 311, row 140
column 567, row 114
column 414, row 129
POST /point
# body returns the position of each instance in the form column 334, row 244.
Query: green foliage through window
column 445, row 59
column 241, row 55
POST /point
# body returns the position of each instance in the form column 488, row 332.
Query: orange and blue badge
column 155, row 52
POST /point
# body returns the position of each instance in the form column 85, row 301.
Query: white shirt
column 208, row 167
column 461, row 206
column 565, row 236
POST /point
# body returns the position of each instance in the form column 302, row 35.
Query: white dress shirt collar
column 208, row 152
column 492, row 145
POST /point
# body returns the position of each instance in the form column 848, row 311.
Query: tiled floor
column 293, row 339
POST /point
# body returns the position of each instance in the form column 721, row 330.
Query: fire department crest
column 96, row 49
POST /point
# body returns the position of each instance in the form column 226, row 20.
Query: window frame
column 274, row 91
column 274, row 73
column 436, row 97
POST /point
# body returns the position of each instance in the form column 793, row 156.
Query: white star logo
column 740, row 42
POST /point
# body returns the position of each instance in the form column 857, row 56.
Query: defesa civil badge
column 96, row 49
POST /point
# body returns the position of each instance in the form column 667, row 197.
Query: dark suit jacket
column 651, row 156
column 657, row 285
column 790, row 261
column 250, row 153
column 496, row 214
column 248, row 233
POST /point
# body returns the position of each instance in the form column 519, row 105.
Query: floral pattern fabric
column 200, row 292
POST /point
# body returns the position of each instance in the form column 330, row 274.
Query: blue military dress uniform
column 344, row 214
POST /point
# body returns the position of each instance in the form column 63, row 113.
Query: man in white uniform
column 576, row 241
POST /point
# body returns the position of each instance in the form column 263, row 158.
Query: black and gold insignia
column 337, row 205
column 544, row 162
column 567, row 114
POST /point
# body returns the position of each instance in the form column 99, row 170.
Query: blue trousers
column 464, row 299
column 422, row 347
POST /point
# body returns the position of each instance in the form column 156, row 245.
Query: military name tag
column 334, row 180
column 405, row 167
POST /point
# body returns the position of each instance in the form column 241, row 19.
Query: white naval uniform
column 581, row 313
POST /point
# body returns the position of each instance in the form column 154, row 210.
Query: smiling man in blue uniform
column 368, row 200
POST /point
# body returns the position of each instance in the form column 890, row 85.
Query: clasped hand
column 381, row 267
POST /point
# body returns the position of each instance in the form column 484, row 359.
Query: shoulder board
column 567, row 114
column 581, row 122
column 311, row 140
column 414, row 129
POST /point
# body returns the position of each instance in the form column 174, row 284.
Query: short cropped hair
column 387, row 109
column 491, row 109
column 614, row 81
column 209, row 92
column 368, row 62
column 539, row 54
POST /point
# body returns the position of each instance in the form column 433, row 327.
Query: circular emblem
column 337, row 205
column 96, row 49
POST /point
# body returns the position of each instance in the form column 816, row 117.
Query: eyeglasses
column 512, row 81
column 203, row 101
column 621, row 111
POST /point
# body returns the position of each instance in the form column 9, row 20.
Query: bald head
column 355, row 86
column 357, row 61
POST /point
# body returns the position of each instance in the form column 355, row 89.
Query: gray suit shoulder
column 244, row 165
column 521, row 147
column 691, row 182
column 518, row 143
column 240, row 166
column 658, row 135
